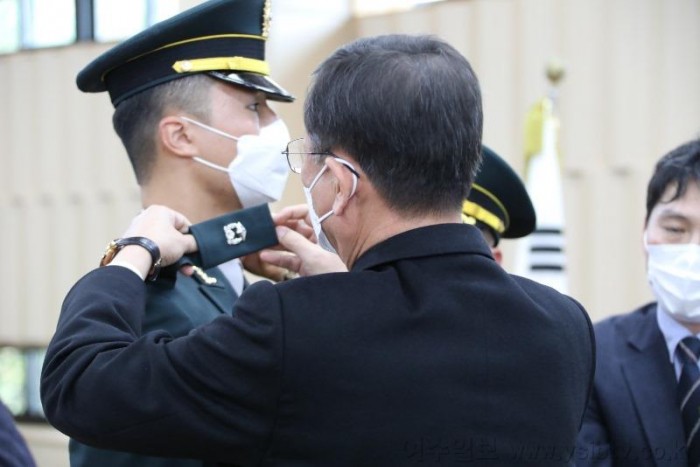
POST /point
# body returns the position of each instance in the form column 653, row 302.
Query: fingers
column 157, row 219
column 253, row 263
column 312, row 258
column 302, row 228
column 180, row 222
column 165, row 227
column 296, row 218
column 190, row 244
column 281, row 259
column 295, row 242
column 296, row 212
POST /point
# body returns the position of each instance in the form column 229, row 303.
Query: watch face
column 149, row 245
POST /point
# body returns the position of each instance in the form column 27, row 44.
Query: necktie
column 689, row 393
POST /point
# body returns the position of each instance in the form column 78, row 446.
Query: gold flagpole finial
column 555, row 71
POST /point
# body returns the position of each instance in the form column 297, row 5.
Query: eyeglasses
column 295, row 152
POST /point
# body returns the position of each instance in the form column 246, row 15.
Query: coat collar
column 433, row 240
column 643, row 333
column 651, row 381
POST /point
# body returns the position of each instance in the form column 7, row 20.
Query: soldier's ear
column 497, row 255
column 175, row 136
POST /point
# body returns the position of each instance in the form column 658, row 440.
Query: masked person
column 426, row 352
column 190, row 97
column 645, row 407
column 498, row 205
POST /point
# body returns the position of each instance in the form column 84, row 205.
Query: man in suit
column 425, row 352
column 13, row 451
column 644, row 408
column 190, row 97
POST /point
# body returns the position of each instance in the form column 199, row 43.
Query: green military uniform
column 178, row 303
column 224, row 39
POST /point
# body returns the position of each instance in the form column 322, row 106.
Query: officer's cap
column 223, row 38
column 498, row 199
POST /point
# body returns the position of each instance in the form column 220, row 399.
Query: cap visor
column 256, row 82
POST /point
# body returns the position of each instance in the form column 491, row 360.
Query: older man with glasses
column 426, row 352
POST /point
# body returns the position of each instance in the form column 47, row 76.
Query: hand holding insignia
column 298, row 252
column 166, row 229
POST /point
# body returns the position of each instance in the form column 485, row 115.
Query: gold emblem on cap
column 186, row 65
column 235, row 233
column 266, row 19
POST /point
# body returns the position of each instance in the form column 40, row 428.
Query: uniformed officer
column 190, row 97
column 498, row 203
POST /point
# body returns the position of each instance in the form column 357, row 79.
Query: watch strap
column 149, row 245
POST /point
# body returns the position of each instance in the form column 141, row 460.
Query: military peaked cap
column 223, row 38
column 498, row 199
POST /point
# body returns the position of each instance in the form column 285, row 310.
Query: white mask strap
column 354, row 175
column 210, row 164
column 345, row 163
column 212, row 129
column 325, row 216
column 317, row 177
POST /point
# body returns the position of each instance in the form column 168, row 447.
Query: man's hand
column 254, row 264
column 302, row 256
column 166, row 228
column 296, row 218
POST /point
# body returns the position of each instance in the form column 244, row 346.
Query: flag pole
column 541, row 256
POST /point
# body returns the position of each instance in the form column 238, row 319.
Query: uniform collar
column 168, row 275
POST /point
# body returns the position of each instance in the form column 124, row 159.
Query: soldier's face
column 237, row 112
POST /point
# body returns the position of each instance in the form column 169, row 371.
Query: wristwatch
column 150, row 246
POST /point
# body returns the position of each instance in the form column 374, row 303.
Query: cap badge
column 235, row 233
column 266, row 19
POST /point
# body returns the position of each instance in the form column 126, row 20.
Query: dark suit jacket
column 633, row 418
column 13, row 449
column 426, row 352
column 176, row 304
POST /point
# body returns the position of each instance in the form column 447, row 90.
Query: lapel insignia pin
column 203, row 276
column 235, row 233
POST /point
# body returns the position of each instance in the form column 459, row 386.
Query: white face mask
column 315, row 219
column 259, row 171
column 674, row 274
